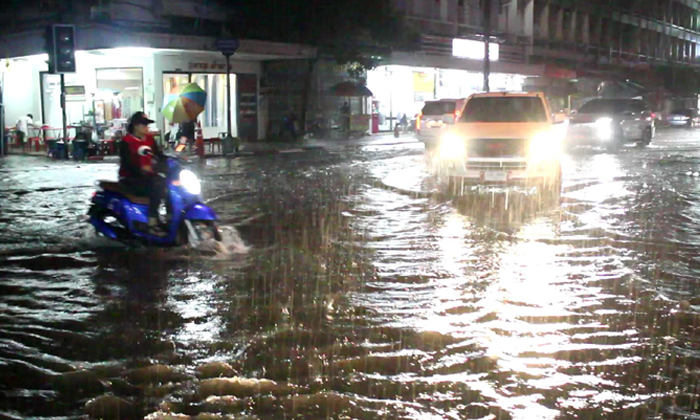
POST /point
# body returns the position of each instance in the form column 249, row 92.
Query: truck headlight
column 545, row 146
column 604, row 128
column 190, row 182
column 452, row 146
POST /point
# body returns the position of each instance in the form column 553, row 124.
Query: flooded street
column 360, row 291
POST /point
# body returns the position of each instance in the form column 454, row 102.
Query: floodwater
column 357, row 290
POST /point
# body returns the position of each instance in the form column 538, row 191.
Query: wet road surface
column 361, row 292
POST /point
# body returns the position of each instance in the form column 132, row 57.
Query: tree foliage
column 353, row 31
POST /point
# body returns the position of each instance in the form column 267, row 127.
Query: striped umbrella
column 184, row 103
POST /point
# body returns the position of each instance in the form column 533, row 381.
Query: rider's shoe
column 155, row 228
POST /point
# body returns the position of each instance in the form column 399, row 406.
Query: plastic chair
column 214, row 141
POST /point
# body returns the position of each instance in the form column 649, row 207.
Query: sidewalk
column 381, row 139
column 263, row 148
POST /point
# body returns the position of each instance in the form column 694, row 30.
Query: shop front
column 403, row 90
column 111, row 84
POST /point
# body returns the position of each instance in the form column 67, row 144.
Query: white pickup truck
column 504, row 139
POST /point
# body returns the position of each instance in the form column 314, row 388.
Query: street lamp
column 228, row 47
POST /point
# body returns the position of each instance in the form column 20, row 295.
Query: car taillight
column 457, row 114
column 418, row 120
column 653, row 115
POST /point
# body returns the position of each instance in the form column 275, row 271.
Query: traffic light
column 61, row 48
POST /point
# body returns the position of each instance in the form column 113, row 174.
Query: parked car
column 435, row 117
column 684, row 117
column 611, row 123
column 504, row 139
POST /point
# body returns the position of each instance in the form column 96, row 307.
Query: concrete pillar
column 636, row 44
column 596, row 32
column 513, row 18
column 529, row 19
column 559, row 29
column 467, row 12
column 544, row 22
column 571, row 27
column 585, row 28
column 444, row 7
column 499, row 21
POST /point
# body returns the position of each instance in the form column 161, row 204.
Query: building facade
column 129, row 55
column 582, row 41
column 597, row 32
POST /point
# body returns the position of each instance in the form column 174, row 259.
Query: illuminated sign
column 474, row 50
column 75, row 90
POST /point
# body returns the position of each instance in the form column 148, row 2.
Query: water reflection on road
column 365, row 293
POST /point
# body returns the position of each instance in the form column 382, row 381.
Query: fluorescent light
column 132, row 88
column 468, row 48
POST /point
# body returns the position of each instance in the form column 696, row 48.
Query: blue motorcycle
column 118, row 215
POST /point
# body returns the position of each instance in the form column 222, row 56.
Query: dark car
column 611, row 123
column 683, row 117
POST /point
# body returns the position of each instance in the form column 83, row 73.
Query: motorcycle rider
column 138, row 153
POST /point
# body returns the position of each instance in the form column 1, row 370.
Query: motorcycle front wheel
column 195, row 232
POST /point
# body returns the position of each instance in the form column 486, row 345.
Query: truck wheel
column 646, row 138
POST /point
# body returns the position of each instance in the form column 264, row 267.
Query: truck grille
column 495, row 148
column 496, row 166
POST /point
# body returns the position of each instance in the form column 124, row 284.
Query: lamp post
column 228, row 47
column 487, row 38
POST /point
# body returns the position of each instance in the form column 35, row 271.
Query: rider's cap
column 141, row 118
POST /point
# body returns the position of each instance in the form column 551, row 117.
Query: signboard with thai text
column 204, row 66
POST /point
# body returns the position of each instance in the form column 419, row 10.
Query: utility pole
column 2, row 116
column 487, row 38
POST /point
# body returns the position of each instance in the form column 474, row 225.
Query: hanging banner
column 423, row 82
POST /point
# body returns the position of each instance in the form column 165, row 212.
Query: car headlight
column 604, row 128
column 190, row 182
column 545, row 146
column 452, row 146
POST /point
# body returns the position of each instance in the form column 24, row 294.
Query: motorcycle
column 118, row 215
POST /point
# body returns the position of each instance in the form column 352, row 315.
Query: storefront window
column 213, row 119
column 119, row 93
column 214, row 114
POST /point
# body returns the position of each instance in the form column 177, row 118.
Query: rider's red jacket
column 135, row 154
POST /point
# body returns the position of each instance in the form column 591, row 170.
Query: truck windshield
column 505, row 109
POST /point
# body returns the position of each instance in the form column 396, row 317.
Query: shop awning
column 349, row 89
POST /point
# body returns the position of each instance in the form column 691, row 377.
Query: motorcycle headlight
column 452, row 146
column 604, row 128
column 190, row 182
